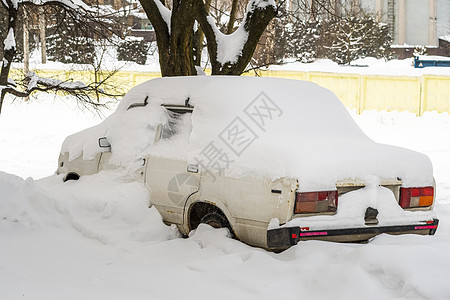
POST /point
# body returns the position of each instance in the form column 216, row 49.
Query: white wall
column 368, row 5
column 416, row 22
column 443, row 17
column 417, row 19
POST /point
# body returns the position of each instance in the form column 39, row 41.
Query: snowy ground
column 96, row 238
column 366, row 66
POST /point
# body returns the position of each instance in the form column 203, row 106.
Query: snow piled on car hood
column 256, row 126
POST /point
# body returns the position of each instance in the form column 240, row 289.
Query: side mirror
column 103, row 143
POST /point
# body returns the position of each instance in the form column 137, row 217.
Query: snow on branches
column 72, row 4
column 10, row 41
column 75, row 8
column 179, row 34
column 231, row 53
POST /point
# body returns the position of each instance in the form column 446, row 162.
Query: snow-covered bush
column 305, row 39
column 377, row 40
column 135, row 50
column 70, row 41
column 67, row 48
column 420, row 50
column 286, row 38
column 342, row 39
column 351, row 37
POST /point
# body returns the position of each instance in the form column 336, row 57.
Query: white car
column 275, row 161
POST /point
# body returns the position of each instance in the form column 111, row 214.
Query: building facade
column 413, row 22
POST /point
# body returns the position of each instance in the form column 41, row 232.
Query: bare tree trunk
column 42, row 35
column 198, row 41
column 26, row 44
column 232, row 17
column 8, row 54
column 162, row 34
column 182, row 37
column 313, row 10
column 175, row 46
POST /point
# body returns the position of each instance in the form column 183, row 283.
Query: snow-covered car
column 275, row 161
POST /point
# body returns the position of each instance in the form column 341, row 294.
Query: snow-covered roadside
column 365, row 66
column 96, row 238
column 31, row 133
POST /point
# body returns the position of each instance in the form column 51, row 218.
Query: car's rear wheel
column 217, row 220
column 71, row 176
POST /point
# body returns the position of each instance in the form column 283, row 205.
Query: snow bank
column 24, row 204
column 103, row 207
column 265, row 127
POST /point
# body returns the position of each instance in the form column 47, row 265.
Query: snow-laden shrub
column 134, row 50
column 65, row 44
column 351, row 37
column 304, row 40
column 342, row 39
column 420, row 50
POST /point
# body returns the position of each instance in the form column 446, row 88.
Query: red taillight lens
column 316, row 202
column 416, row 197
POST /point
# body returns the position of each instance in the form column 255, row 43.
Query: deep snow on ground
column 97, row 238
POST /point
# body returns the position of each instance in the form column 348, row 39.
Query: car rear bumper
column 285, row 237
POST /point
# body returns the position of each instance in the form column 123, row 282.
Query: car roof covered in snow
column 223, row 97
column 257, row 126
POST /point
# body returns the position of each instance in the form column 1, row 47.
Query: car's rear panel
column 327, row 224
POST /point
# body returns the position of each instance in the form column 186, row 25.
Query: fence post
column 422, row 95
column 361, row 94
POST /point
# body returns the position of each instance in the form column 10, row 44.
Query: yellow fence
column 415, row 94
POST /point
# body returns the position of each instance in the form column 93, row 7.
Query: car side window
column 177, row 128
column 172, row 138
column 173, row 126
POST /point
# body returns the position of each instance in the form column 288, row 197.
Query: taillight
column 316, row 202
column 416, row 197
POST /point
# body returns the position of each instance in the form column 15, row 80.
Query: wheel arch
column 199, row 208
column 71, row 176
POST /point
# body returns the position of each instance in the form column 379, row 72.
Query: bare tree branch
column 154, row 13
column 74, row 9
column 232, row 17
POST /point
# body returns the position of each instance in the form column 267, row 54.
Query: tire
column 71, row 176
column 217, row 220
